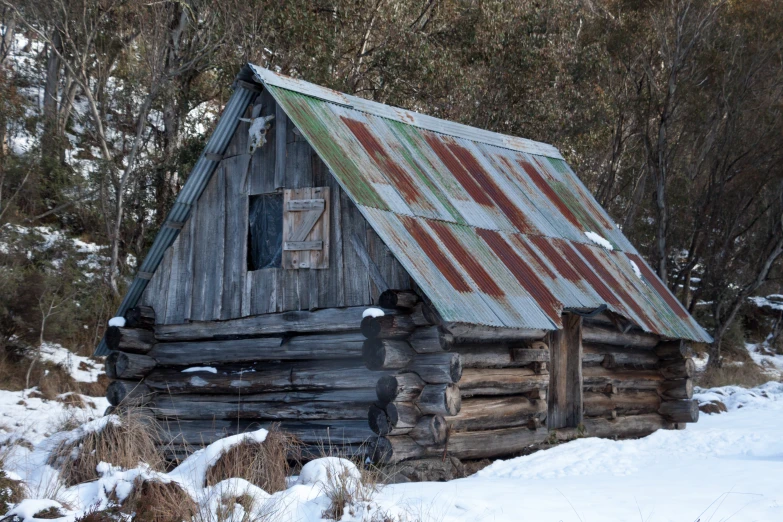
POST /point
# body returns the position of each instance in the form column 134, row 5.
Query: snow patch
column 117, row 321
column 373, row 312
column 200, row 369
column 635, row 268
column 599, row 240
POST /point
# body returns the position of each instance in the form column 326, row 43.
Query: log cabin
column 395, row 284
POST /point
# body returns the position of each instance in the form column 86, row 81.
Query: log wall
column 201, row 383
column 204, row 275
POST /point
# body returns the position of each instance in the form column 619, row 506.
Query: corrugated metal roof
column 491, row 227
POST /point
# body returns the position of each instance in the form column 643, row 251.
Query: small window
column 265, row 232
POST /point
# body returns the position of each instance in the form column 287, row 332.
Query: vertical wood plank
column 356, row 281
column 574, row 400
column 174, row 294
column 236, row 221
column 281, row 137
column 204, row 266
column 331, row 291
column 188, row 274
column 565, row 374
column 263, row 168
column 219, row 243
column 239, row 141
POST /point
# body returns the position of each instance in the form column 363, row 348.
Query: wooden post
column 565, row 379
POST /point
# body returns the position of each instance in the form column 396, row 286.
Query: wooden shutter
column 306, row 228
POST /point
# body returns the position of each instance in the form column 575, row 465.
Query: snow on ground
column 25, row 415
column 82, row 369
column 725, row 467
column 771, row 362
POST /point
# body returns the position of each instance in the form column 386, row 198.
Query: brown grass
column 51, row 379
column 153, row 501
column 747, row 374
column 49, row 513
column 265, row 464
column 11, row 491
column 126, row 444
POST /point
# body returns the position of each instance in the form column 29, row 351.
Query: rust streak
column 550, row 193
column 468, row 261
column 434, row 253
column 542, row 266
column 398, row 175
column 456, row 168
column 568, row 252
column 616, row 285
column 556, row 258
column 487, row 182
column 522, row 272
column 658, row 285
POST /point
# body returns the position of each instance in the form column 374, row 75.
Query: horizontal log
column 387, row 327
column 678, row 368
column 302, row 321
column 202, row 432
column 502, row 381
column 497, row 412
column 265, row 377
column 405, row 386
column 422, row 315
column 611, row 356
column 429, row 430
column 680, row 411
column 130, row 366
column 398, row 299
column 622, row 427
column 340, row 345
column 463, row 445
column 498, row 355
column 390, row 354
column 677, row 389
column 674, row 350
column 140, row 317
column 439, row 399
column 464, row 332
column 597, row 378
column 131, row 340
column 625, row 403
column 430, row 339
column 343, row 404
column 387, row 354
column 128, row 393
column 594, row 333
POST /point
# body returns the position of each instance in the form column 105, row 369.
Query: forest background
column 669, row 110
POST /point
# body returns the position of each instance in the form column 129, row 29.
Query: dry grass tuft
column 49, row 513
column 123, row 444
column 73, row 400
column 747, row 374
column 265, row 464
column 153, row 501
column 11, row 491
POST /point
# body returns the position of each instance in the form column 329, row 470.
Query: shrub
column 265, row 464
column 125, row 440
column 11, row 492
column 154, row 501
column 747, row 374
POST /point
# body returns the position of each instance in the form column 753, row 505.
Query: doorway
column 565, row 374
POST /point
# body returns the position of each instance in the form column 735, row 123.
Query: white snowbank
column 82, row 369
column 117, row 321
column 28, row 508
column 599, row 240
column 194, row 369
column 373, row 312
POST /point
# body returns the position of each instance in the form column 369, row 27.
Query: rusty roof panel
column 493, row 229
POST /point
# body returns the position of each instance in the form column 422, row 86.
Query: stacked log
column 300, row 370
column 633, row 383
column 465, row 390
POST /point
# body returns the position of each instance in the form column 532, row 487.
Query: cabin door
column 565, row 374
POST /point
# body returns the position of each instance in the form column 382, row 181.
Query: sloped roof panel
column 492, row 228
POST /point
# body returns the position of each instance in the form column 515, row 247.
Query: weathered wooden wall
column 204, row 276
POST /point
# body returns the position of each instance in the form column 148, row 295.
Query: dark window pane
column 265, row 232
